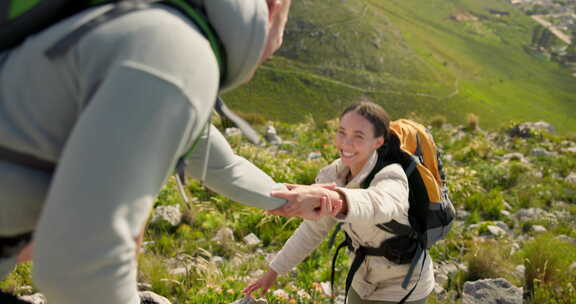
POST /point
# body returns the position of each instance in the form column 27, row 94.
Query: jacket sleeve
column 232, row 175
column 305, row 239
column 384, row 200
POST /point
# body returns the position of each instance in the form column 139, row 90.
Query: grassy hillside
column 191, row 263
column 438, row 56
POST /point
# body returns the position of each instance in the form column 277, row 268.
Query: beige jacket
column 386, row 199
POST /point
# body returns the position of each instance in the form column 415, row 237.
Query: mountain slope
column 432, row 57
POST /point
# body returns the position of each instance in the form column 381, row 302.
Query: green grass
column 410, row 56
column 479, row 183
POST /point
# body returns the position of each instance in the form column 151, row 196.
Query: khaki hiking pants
column 354, row 298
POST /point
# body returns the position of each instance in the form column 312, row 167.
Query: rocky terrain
column 514, row 240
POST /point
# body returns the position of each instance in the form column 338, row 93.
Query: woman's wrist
column 341, row 196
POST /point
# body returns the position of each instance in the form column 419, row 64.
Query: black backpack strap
column 122, row 8
column 26, row 160
column 346, row 242
column 359, row 257
column 245, row 127
column 333, row 236
column 410, row 271
column 396, row 228
column 6, row 298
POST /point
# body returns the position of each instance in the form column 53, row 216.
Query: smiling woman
column 362, row 138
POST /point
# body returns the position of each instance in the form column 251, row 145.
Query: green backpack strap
column 123, row 7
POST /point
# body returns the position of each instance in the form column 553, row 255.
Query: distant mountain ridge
column 448, row 57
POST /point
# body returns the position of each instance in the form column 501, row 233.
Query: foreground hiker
column 91, row 129
column 374, row 188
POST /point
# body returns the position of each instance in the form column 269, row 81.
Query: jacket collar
column 342, row 172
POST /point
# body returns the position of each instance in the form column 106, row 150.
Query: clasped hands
column 310, row 202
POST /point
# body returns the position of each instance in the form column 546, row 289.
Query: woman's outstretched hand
column 264, row 283
column 308, row 202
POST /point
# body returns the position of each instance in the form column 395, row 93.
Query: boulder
column 170, row 214
column 271, row 136
column 224, row 235
column 571, row 178
column 231, row 132
column 36, row 298
column 529, row 129
column 148, row 297
column 491, row 291
column 250, row 300
column 314, row 155
column 251, row 240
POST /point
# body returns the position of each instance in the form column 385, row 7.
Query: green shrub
column 547, row 260
column 488, row 260
column 472, row 121
column 488, row 205
column 438, row 121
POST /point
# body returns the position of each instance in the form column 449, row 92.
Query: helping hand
column 264, row 283
column 308, row 202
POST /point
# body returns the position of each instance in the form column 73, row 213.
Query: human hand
column 264, row 283
column 329, row 186
column 25, row 254
column 308, row 202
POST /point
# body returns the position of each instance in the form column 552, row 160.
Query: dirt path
column 561, row 35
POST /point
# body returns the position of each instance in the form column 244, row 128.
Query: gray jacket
column 116, row 113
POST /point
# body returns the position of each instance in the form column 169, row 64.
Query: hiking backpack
column 430, row 213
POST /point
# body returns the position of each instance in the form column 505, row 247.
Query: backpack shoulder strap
column 123, row 7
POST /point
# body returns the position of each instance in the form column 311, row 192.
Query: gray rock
column 218, row 260
column 496, row 231
column 224, row 235
column 503, row 225
column 441, row 279
column 231, row 132
column 170, row 214
column 144, row 286
column 148, row 297
column 520, row 270
column 541, row 152
column 491, row 291
column 566, row 238
column 529, row 213
column 515, row 247
column 529, row 129
column 251, row 240
column 249, row 300
column 36, row 298
column 438, row 289
column 571, row 178
column 539, row 228
column 515, row 156
column 462, row 214
column 569, row 150
column 26, row 289
column 326, row 288
column 271, row 136
column 314, row 155
column 178, row 271
column 339, row 299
